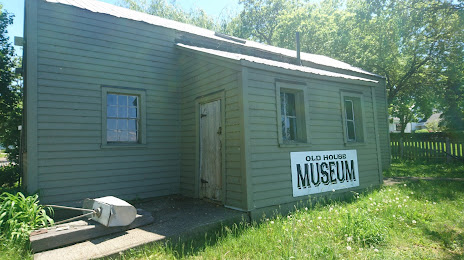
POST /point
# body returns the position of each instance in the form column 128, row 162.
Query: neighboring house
column 395, row 126
column 127, row 104
column 433, row 120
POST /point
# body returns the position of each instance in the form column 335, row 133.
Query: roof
column 277, row 64
column 434, row 117
column 109, row 9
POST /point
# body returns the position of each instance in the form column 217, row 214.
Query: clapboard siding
column 200, row 78
column 127, row 27
column 104, row 26
column 270, row 164
column 139, row 190
column 79, row 52
column 382, row 118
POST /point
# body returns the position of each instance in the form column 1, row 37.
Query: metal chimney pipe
column 298, row 58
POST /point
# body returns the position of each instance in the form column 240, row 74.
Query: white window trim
column 297, row 88
column 347, row 142
column 142, row 140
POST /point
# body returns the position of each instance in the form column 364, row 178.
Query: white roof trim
column 277, row 64
column 105, row 8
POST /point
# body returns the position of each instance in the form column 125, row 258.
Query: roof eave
column 306, row 74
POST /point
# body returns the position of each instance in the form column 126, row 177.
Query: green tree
column 260, row 19
column 452, row 81
column 10, row 93
column 407, row 41
column 401, row 39
column 170, row 10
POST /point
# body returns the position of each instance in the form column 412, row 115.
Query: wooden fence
column 436, row 147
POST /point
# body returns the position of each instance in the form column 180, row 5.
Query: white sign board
column 321, row 171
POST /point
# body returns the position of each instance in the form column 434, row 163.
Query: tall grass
column 420, row 220
column 19, row 215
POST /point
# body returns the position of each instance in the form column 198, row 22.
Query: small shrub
column 9, row 175
column 19, row 215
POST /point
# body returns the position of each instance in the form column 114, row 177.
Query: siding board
column 78, row 52
column 200, row 78
column 270, row 164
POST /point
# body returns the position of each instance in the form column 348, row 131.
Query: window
column 122, row 119
column 291, row 117
column 350, row 122
column 288, row 116
column 123, row 116
column 353, row 118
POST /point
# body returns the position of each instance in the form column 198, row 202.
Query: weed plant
column 420, row 220
column 19, row 215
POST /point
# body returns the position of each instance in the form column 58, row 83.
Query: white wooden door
column 210, row 151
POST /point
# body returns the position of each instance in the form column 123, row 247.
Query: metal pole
column 298, row 57
column 71, row 208
column 77, row 217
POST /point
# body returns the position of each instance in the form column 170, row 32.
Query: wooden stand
column 77, row 231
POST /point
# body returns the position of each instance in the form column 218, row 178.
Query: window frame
column 141, row 95
column 287, row 116
column 301, row 112
column 347, row 120
column 345, row 95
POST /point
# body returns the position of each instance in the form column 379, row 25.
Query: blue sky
column 211, row 7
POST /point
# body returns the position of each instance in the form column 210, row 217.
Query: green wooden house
column 127, row 104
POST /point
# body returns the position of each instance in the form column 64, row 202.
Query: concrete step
column 175, row 216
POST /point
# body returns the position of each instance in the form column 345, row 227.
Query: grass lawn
column 424, row 169
column 2, row 154
column 415, row 220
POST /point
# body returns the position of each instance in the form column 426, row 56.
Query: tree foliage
column 10, row 93
column 170, row 10
column 451, row 81
column 417, row 45
column 405, row 40
column 260, row 19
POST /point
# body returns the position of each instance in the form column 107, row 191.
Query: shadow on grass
column 436, row 190
column 419, row 168
column 450, row 238
column 447, row 235
column 194, row 244
column 190, row 245
column 423, row 190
